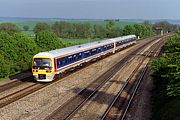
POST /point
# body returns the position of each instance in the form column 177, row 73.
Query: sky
column 91, row 9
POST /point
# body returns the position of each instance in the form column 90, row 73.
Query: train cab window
column 42, row 63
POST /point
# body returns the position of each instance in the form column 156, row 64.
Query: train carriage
column 48, row 64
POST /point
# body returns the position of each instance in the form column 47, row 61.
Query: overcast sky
column 91, row 9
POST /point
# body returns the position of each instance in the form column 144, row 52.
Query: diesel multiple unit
column 46, row 65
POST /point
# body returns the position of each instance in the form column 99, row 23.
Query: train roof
column 76, row 48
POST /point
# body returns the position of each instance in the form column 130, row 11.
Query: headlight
column 35, row 76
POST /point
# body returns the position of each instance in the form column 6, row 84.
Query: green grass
column 2, row 79
column 71, row 42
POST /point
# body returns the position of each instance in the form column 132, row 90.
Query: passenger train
column 47, row 65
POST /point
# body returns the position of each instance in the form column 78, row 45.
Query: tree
column 17, row 51
column 10, row 28
column 141, row 30
column 41, row 26
column 4, row 67
column 48, row 41
column 26, row 48
column 129, row 29
column 109, row 26
column 166, row 68
column 99, row 31
column 26, row 28
column 165, row 26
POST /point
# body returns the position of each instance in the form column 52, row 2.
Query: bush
column 9, row 28
column 4, row 67
column 48, row 41
column 16, row 52
column 166, row 75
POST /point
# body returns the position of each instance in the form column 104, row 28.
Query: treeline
column 17, row 49
column 87, row 30
column 165, row 27
column 80, row 30
column 166, row 75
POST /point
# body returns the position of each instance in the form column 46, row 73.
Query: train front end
column 43, row 68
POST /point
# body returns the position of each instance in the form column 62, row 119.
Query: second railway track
column 119, row 107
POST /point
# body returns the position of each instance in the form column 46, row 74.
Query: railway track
column 68, row 109
column 14, row 83
column 20, row 94
column 119, row 107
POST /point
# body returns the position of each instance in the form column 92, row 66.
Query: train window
column 79, row 55
column 86, row 54
column 99, row 50
column 117, row 44
column 74, row 57
column 93, row 51
column 70, row 58
column 109, row 46
column 59, row 63
column 64, row 61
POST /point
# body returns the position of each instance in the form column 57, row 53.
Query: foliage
column 26, row 27
column 4, row 67
column 41, row 26
column 111, row 30
column 141, row 30
column 26, row 49
column 9, row 28
column 166, row 75
column 48, row 41
column 77, row 30
column 173, row 45
column 85, row 30
column 165, row 26
column 16, row 52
